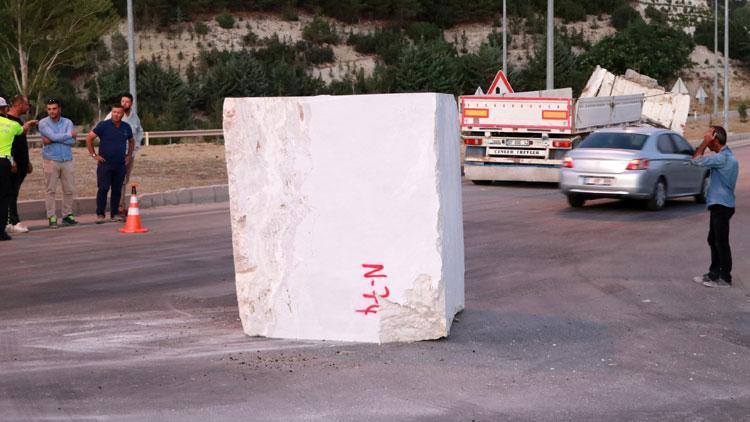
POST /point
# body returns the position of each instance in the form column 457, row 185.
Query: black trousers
column 718, row 240
column 5, row 189
column 16, row 179
column 109, row 175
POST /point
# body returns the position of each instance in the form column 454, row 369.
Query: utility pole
column 550, row 46
column 505, row 41
column 726, row 65
column 716, row 59
column 131, row 57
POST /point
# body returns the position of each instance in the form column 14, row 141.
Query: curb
column 36, row 210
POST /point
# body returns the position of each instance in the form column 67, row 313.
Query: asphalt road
column 571, row 315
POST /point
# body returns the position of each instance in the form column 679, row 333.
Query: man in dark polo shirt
column 116, row 145
column 20, row 152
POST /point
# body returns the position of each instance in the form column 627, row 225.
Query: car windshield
column 634, row 141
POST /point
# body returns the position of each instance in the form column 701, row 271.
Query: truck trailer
column 524, row 136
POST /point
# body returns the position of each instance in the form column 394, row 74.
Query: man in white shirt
column 131, row 118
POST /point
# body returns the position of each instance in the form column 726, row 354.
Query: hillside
column 181, row 46
column 193, row 53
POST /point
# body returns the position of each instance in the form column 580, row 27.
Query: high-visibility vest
column 9, row 129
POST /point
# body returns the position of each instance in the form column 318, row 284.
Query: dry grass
column 158, row 168
column 694, row 129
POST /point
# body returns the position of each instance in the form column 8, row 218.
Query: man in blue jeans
column 720, row 199
column 116, row 145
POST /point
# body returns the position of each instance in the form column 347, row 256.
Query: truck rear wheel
column 575, row 200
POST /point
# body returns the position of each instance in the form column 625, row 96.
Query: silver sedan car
column 641, row 163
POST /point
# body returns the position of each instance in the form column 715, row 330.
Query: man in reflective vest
column 9, row 129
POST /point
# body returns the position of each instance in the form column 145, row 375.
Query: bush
column 596, row 7
column 480, row 68
column 250, row 39
column 225, row 20
column 742, row 111
column 574, row 38
column 319, row 31
column 423, row 31
column 75, row 108
column 568, row 69
column 655, row 15
column 201, row 28
column 658, row 51
column 570, row 10
column 386, row 43
column 163, row 98
column 429, row 66
column 289, row 13
column 119, row 47
column 275, row 70
column 625, row 15
column 314, row 54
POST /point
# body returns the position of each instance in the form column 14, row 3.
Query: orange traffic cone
column 133, row 223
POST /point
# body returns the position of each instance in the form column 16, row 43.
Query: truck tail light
column 637, row 164
column 568, row 163
column 562, row 144
column 472, row 141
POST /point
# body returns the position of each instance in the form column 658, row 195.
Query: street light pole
column 550, row 46
column 726, row 65
column 716, row 59
column 131, row 57
column 505, row 41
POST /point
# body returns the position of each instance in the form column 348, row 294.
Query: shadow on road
column 629, row 210
column 518, row 185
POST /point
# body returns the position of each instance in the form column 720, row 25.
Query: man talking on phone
column 720, row 200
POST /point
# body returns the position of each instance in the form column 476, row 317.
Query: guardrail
column 148, row 136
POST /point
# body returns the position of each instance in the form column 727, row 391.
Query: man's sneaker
column 718, row 283
column 117, row 218
column 69, row 220
column 100, row 219
column 20, row 228
column 703, row 278
column 53, row 222
column 4, row 236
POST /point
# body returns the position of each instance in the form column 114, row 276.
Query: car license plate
column 517, row 142
column 518, row 152
column 598, row 181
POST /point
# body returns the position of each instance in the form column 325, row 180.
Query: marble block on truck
column 346, row 216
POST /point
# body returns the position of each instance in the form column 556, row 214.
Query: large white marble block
column 346, row 216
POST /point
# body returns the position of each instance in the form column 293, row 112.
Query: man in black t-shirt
column 116, row 145
column 19, row 106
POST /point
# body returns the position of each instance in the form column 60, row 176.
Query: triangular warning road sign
column 500, row 85
column 679, row 87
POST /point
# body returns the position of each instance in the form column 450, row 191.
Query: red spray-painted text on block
column 373, row 272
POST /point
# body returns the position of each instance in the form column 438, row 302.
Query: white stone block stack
column 346, row 216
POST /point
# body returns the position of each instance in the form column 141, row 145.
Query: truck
column 524, row 136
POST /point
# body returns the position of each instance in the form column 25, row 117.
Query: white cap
column 3, row 103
